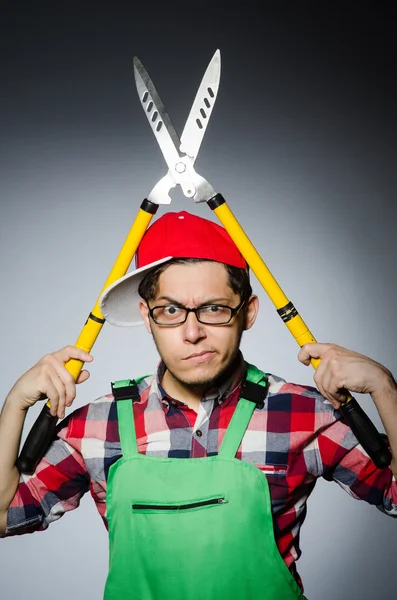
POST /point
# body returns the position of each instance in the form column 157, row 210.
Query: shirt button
column 199, row 433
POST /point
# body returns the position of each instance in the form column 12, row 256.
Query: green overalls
column 193, row 529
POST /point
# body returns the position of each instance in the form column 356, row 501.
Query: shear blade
column 157, row 116
column 201, row 110
column 180, row 155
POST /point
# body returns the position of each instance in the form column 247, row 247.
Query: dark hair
column 239, row 279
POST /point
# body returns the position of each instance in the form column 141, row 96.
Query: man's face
column 194, row 353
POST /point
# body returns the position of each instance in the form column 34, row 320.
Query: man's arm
column 11, row 424
column 47, row 379
column 385, row 399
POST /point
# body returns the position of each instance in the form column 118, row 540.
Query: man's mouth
column 198, row 357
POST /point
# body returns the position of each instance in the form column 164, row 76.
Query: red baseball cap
column 173, row 235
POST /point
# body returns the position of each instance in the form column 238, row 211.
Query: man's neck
column 191, row 395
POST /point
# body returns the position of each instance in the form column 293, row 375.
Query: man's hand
column 47, row 379
column 342, row 370
column 50, row 379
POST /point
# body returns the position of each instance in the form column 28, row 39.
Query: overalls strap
column 254, row 389
column 253, row 393
column 125, row 392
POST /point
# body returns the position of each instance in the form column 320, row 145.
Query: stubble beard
column 202, row 384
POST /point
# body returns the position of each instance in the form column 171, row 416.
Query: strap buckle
column 254, row 392
column 128, row 391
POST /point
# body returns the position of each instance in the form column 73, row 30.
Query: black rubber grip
column 149, row 207
column 216, row 201
column 373, row 442
column 37, row 442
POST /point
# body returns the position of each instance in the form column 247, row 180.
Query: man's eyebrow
column 209, row 301
column 169, row 299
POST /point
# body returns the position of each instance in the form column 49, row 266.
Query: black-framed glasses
column 170, row 315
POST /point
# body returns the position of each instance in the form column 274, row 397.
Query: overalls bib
column 193, row 529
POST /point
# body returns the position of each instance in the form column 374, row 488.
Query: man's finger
column 60, row 387
column 83, row 376
column 52, row 392
column 312, row 350
column 69, row 352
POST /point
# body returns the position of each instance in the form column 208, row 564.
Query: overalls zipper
column 178, row 506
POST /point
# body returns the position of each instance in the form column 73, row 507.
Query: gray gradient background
column 302, row 145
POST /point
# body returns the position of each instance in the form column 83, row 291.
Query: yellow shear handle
column 95, row 321
column 285, row 308
column 42, row 431
column 374, row 444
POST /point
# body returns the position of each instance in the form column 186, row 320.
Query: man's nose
column 193, row 329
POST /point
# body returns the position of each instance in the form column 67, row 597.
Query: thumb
column 306, row 353
column 305, row 361
column 312, row 350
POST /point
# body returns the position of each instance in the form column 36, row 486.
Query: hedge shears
column 180, row 155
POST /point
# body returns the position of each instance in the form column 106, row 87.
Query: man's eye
column 171, row 311
column 213, row 308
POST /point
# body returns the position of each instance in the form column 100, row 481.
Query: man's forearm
column 12, row 419
column 385, row 399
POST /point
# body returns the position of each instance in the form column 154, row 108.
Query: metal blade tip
column 137, row 62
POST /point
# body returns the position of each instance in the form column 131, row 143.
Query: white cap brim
column 120, row 301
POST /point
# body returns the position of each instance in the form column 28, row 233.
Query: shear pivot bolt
column 180, row 167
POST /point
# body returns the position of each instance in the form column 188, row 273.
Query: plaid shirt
column 294, row 439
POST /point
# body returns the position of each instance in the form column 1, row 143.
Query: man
column 226, row 524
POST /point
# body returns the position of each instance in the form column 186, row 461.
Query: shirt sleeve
column 57, row 485
column 345, row 461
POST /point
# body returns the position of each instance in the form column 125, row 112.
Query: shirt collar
column 219, row 392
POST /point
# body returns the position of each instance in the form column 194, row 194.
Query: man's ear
column 252, row 307
column 144, row 310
